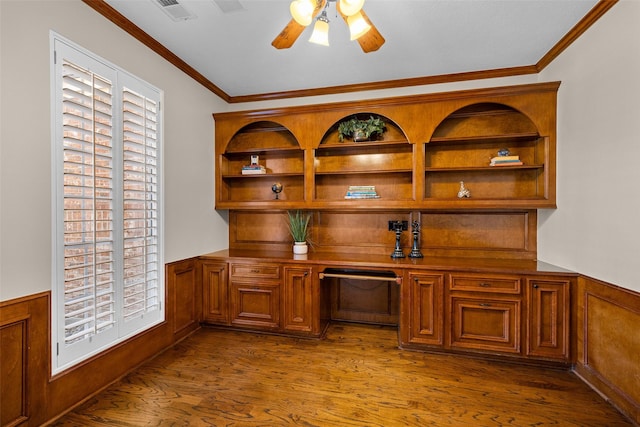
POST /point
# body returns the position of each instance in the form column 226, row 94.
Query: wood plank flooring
column 355, row 377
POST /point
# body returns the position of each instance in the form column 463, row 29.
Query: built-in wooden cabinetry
column 508, row 314
column 468, row 306
column 215, row 303
column 423, row 308
column 266, row 296
column 299, row 300
column 432, row 143
column 479, row 288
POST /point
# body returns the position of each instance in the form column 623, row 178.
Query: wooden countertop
column 379, row 261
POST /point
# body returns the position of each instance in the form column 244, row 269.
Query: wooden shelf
column 359, row 145
column 250, row 151
column 431, row 143
column 262, row 175
column 367, row 172
column 516, row 137
column 484, row 168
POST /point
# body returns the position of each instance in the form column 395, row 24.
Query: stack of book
column 361, row 192
column 505, row 161
column 254, row 169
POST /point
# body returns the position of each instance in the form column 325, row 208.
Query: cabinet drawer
column 485, row 324
column 482, row 283
column 263, row 271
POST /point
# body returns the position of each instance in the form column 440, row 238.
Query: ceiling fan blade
column 292, row 31
column 372, row 39
column 288, row 35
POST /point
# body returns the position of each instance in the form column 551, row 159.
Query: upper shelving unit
column 466, row 141
column 277, row 159
column 383, row 165
column 431, row 144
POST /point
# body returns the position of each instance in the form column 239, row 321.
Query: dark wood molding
column 582, row 26
column 389, row 84
column 117, row 18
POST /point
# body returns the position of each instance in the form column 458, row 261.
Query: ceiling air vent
column 175, row 10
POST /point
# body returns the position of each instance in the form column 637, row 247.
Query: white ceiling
column 423, row 38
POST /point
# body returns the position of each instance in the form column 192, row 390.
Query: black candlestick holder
column 415, row 250
column 397, row 227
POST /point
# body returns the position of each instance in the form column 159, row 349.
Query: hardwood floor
column 355, row 377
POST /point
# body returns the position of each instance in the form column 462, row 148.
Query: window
column 108, row 269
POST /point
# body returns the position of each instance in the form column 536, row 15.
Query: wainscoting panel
column 609, row 342
column 183, row 281
column 23, row 359
column 30, row 396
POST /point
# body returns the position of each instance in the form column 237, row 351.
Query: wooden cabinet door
column 548, row 319
column 422, row 299
column 298, row 299
column 215, row 303
column 485, row 323
column 255, row 304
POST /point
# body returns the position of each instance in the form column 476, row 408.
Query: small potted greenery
column 299, row 230
column 361, row 129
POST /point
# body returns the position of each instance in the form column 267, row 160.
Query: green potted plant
column 361, row 129
column 299, row 230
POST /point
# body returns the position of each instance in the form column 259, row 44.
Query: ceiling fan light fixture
column 350, row 7
column 302, row 11
column 320, row 33
column 357, row 26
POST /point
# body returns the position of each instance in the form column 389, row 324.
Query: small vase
column 300, row 248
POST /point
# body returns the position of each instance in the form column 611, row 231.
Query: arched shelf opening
column 258, row 157
column 485, row 120
column 392, row 134
column 260, row 136
column 494, row 149
column 379, row 170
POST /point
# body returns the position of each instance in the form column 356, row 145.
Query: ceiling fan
column 304, row 11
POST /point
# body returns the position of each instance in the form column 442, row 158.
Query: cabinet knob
column 485, row 285
column 306, row 273
column 484, row 304
column 535, row 286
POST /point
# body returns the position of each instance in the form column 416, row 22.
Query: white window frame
column 67, row 354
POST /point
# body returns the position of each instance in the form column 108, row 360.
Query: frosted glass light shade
column 302, row 11
column 320, row 33
column 351, row 7
column 357, row 26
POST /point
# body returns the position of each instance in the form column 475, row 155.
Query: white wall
column 192, row 226
column 595, row 229
column 591, row 232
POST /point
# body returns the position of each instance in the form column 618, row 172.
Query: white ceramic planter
column 300, row 248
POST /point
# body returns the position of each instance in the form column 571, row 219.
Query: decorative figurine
column 463, row 192
column 397, row 227
column 276, row 188
column 415, row 250
column 503, row 152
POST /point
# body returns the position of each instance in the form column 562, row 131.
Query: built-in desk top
column 378, row 261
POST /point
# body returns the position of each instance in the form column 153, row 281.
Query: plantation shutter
column 89, row 279
column 108, row 268
column 140, row 203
